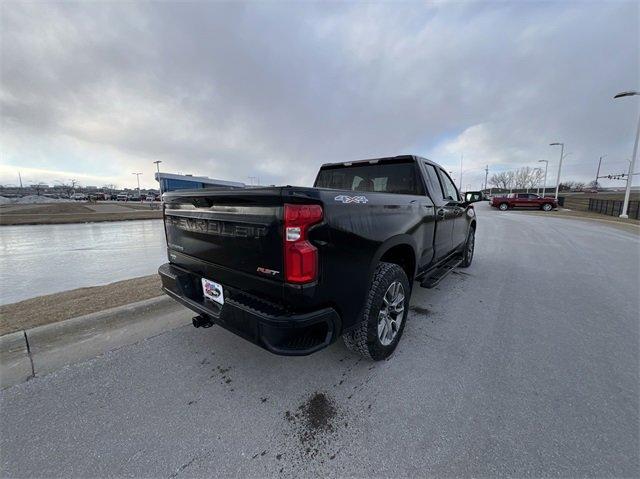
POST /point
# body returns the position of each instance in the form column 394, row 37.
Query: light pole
column 546, row 165
column 595, row 185
column 632, row 164
column 486, row 175
column 138, row 178
column 157, row 162
column 559, row 165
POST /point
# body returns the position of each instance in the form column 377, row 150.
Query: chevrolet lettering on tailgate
column 220, row 228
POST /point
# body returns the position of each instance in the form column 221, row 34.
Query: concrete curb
column 15, row 362
column 44, row 349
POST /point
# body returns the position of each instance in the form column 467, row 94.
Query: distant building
column 171, row 182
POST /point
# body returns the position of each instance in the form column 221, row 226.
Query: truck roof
column 373, row 160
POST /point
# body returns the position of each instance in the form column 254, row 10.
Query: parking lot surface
column 524, row 364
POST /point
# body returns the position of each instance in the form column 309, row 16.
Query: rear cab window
column 384, row 176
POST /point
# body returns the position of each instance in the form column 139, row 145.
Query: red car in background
column 523, row 200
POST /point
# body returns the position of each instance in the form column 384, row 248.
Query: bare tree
column 536, row 178
column 522, row 177
column 500, row 180
column 39, row 186
column 511, row 178
column 68, row 188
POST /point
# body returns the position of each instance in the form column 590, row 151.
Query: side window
column 450, row 191
column 433, row 183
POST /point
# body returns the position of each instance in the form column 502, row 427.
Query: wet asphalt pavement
column 526, row 364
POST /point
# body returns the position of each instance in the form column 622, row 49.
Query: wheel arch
column 399, row 250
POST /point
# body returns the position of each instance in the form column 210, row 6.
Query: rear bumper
column 271, row 327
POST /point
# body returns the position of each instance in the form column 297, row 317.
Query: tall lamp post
column 559, row 165
column 157, row 162
column 632, row 163
column 546, row 165
column 138, row 178
column 595, row 185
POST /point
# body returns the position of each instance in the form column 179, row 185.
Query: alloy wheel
column 391, row 313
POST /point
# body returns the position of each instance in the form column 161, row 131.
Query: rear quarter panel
column 358, row 228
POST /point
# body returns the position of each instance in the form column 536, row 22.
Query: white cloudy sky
column 96, row 91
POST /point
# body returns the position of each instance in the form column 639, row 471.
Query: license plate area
column 212, row 291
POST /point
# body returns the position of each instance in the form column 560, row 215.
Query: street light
column 546, row 165
column 157, row 162
column 559, row 165
column 632, row 163
column 138, row 178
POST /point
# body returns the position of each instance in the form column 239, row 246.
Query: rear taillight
column 300, row 256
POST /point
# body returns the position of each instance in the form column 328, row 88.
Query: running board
column 438, row 275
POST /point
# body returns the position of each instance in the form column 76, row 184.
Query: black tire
column 547, row 207
column 469, row 247
column 365, row 338
column 503, row 206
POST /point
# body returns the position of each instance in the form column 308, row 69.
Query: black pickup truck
column 291, row 269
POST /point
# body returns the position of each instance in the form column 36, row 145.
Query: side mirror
column 472, row 197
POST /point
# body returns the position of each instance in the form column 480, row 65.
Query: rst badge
column 267, row 271
column 351, row 199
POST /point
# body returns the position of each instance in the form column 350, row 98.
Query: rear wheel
column 547, row 207
column 467, row 254
column 503, row 206
column 384, row 315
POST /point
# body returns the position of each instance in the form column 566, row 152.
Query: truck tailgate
column 229, row 231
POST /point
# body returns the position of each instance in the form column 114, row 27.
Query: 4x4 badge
column 351, row 199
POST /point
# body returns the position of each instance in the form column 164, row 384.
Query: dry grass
column 58, row 208
column 28, row 218
column 70, row 304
